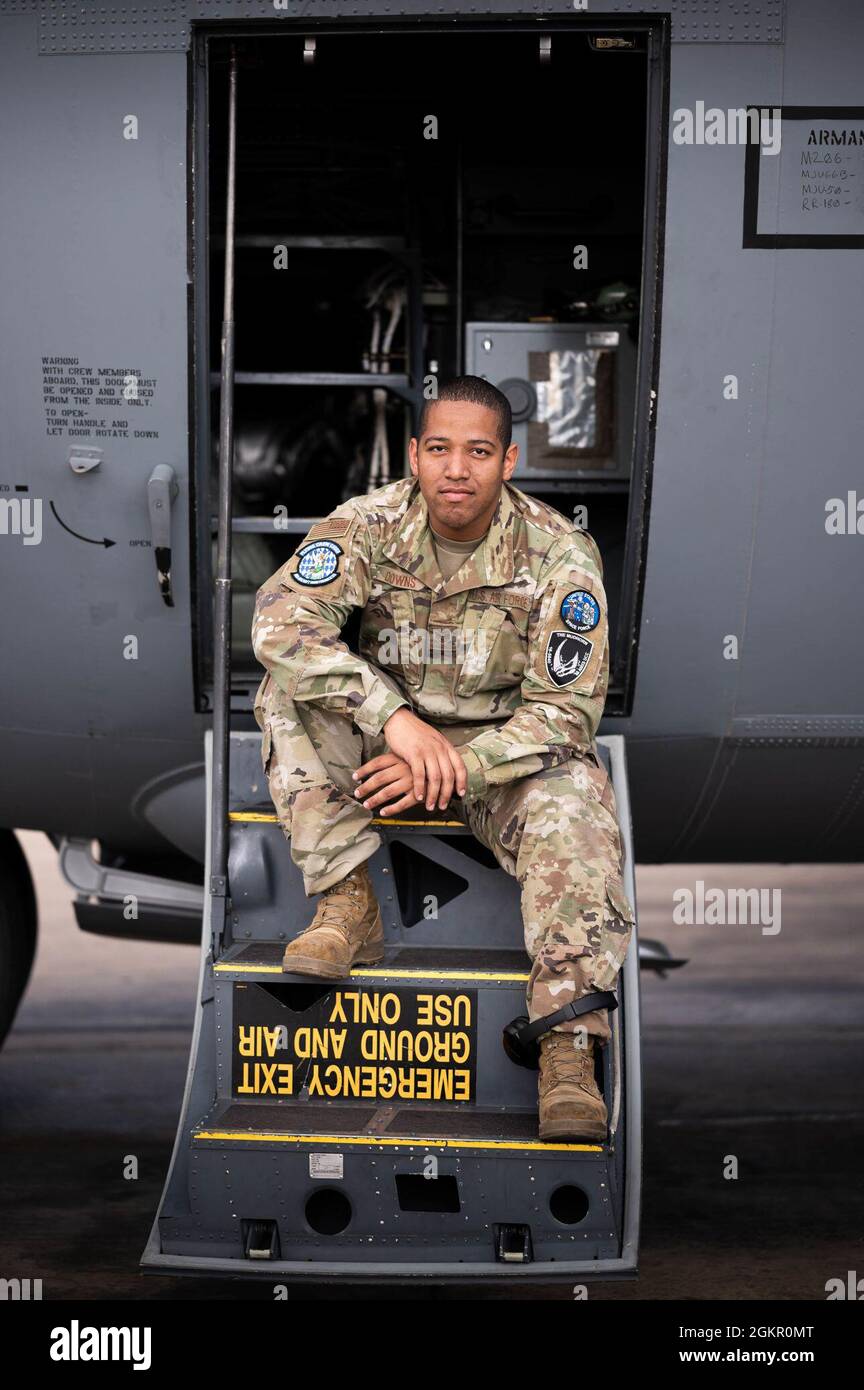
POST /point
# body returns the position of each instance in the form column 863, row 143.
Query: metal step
column 379, row 1126
column 400, row 962
column 390, row 1185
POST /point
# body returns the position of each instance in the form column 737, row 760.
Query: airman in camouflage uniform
column 508, row 659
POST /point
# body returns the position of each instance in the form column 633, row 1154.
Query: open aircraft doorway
column 411, row 204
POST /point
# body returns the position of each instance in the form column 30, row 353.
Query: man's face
column 461, row 465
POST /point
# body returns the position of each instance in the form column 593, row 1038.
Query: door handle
column 162, row 488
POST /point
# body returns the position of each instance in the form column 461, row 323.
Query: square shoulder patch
column 331, row 526
column 570, row 645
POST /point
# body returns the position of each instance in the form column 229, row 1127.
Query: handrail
column 218, row 885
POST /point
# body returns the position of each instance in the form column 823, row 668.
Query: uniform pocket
column 407, row 637
column 618, row 898
column 266, row 750
column 598, row 777
column 481, row 625
column 617, row 929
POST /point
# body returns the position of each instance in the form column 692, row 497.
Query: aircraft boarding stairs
column 374, row 1127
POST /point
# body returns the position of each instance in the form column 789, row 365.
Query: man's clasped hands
column 421, row 765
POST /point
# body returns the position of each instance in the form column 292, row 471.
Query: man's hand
column 433, row 764
column 385, row 778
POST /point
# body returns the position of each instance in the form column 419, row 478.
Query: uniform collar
column 412, row 547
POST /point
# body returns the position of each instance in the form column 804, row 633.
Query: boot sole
column 573, row 1134
column 309, row 965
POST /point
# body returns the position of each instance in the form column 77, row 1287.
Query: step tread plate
column 383, row 1125
column 420, row 962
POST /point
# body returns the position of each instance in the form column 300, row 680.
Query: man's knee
column 562, row 812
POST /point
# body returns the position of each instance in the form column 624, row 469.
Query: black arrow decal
column 104, row 541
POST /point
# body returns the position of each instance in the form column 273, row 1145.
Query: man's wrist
column 476, row 784
column 372, row 715
column 395, row 711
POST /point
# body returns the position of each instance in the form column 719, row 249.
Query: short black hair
column 479, row 392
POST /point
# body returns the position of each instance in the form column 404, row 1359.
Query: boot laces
column 331, row 914
column 567, row 1063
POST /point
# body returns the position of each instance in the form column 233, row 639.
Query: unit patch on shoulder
column 567, row 656
column 317, row 562
column 580, row 611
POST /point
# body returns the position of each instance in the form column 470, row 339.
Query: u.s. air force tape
column 317, row 562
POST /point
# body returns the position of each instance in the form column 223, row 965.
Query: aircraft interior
column 448, row 204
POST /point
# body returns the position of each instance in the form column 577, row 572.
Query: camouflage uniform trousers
column 555, row 831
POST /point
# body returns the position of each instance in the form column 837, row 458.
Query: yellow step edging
column 237, row 968
column 403, row 1142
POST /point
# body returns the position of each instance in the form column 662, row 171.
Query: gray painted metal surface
column 160, row 25
column 99, row 741
column 95, row 265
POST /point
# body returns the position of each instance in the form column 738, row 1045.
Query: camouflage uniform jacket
column 517, row 637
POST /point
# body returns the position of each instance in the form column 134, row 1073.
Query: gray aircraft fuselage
column 743, row 718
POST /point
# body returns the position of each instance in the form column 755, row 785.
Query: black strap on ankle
column 520, row 1038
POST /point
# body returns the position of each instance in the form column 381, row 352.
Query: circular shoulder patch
column 318, row 562
column 580, row 611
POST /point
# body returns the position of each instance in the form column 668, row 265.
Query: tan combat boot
column 346, row 930
column 571, row 1106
